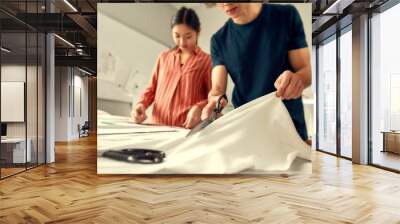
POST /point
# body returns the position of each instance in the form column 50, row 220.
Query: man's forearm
column 219, row 78
column 300, row 61
column 218, row 81
column 217, row 91
column 305, row 74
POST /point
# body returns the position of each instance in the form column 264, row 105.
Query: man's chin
column 234, row 16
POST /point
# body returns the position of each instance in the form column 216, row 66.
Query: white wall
column 33, row 126
column 69, row 85
column 126, row 58
column 80, row 102
column 14, row 73
column 81, row 83
column 61, row 103
column 12, row 101
column 151, row 20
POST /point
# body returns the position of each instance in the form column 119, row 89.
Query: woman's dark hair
column 188, row 17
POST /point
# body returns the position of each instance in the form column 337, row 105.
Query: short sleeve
column 297, row 37
column 215, row 53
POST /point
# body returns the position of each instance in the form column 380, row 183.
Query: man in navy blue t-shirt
column 264, row 49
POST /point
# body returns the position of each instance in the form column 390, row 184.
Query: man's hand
column 193, row 117
column 289, row 85
column 138, row 113
column 219, row 81
column 212, row 103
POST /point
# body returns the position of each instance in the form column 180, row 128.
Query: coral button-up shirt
column 174, row 89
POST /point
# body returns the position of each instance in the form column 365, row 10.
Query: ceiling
column 76, row 22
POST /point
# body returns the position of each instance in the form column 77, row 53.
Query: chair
column 84, row 130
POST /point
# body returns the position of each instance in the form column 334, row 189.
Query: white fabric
column 257, row 136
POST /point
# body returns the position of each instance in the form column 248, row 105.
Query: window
column 385, row 89
column 22, row 66
column 346, row 93
column 327, row 96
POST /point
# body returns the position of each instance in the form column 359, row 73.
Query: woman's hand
column 193, row 117
column 138, row 113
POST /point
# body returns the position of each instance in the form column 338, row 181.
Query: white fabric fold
column 259, row 135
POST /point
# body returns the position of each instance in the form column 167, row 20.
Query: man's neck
column 251, row 14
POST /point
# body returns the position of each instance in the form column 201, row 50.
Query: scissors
column 218, row 108
column 144, row 156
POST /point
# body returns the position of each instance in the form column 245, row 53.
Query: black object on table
column 144, row 156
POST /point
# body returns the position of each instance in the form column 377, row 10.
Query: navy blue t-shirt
column 256, row 53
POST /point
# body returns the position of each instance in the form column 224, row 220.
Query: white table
column 19, row 154
column 115, row 132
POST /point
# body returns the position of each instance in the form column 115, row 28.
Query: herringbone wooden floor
column 70, row 191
